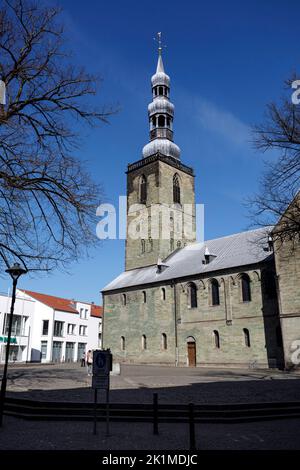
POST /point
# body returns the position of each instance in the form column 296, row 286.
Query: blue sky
column 226, row 60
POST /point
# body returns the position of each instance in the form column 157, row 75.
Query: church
column 228, row 302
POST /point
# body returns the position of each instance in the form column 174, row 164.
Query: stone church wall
column 156, row 317
column 288, row 271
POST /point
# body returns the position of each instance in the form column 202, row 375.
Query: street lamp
column 15, row 272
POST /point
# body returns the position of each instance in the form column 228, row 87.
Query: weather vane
column 158, row 40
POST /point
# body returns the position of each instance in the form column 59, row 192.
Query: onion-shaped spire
column 161, row 113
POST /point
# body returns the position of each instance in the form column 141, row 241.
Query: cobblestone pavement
column 35, row 435
column 136, row 384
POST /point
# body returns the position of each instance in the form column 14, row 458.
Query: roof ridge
column 61, row 298
column 228, row 236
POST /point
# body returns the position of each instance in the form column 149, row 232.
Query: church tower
column 160, row 189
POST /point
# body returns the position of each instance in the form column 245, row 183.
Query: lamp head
column 16, row 271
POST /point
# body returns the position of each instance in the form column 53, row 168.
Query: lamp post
column 15, row 272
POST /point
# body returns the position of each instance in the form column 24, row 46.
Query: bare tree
column 47, row 199
column 280, row 183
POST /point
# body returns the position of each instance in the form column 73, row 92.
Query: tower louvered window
column 143, row 190
column 176, row 189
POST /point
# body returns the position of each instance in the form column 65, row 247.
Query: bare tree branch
column 280, row 183
column 47, row 198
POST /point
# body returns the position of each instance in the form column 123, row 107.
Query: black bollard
column 192, row 427
column 155, row 413
column 95, row 412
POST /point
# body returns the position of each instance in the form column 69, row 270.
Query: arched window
column 192, row 295
column 143, row 243
column 161, row 90
column 246, row 289
column 144, row 342
column 161, row 121
column 154, row 121
column 143, row 189
column 124, row 299
column 164, row 343
column 122, row 343
column 215, row 295
column 176, row 189
column 163, row 293
column 144, row 297
column 216, row 339
column 247, row 337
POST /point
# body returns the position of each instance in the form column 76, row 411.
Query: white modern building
column 48, row 328
column 20, row 340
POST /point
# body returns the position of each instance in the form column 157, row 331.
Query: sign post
column 102, row 365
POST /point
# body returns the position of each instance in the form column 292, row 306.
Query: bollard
column 95, row 413
column 192, row 427
column 155, row 413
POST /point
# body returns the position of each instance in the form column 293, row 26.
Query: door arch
column 191, row 351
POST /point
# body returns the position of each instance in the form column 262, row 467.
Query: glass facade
column 56, row 351
column 43, row 350
column 69, row 352
column 81, row 350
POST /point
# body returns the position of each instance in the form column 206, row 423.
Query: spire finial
column 159, row 42
column 160, row 65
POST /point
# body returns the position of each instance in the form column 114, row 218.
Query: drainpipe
column 173, row 284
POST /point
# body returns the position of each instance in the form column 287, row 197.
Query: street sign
column 102, row 365
column 3, row 339
column 102, row 362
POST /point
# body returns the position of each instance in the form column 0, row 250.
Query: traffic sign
column 102, row 362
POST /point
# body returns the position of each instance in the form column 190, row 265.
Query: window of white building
column 45, row 329
column 18, row 325
column 58, row 328
column 82, row 330
column 71, row 329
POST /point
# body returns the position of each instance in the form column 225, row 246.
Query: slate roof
column 241, row 249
